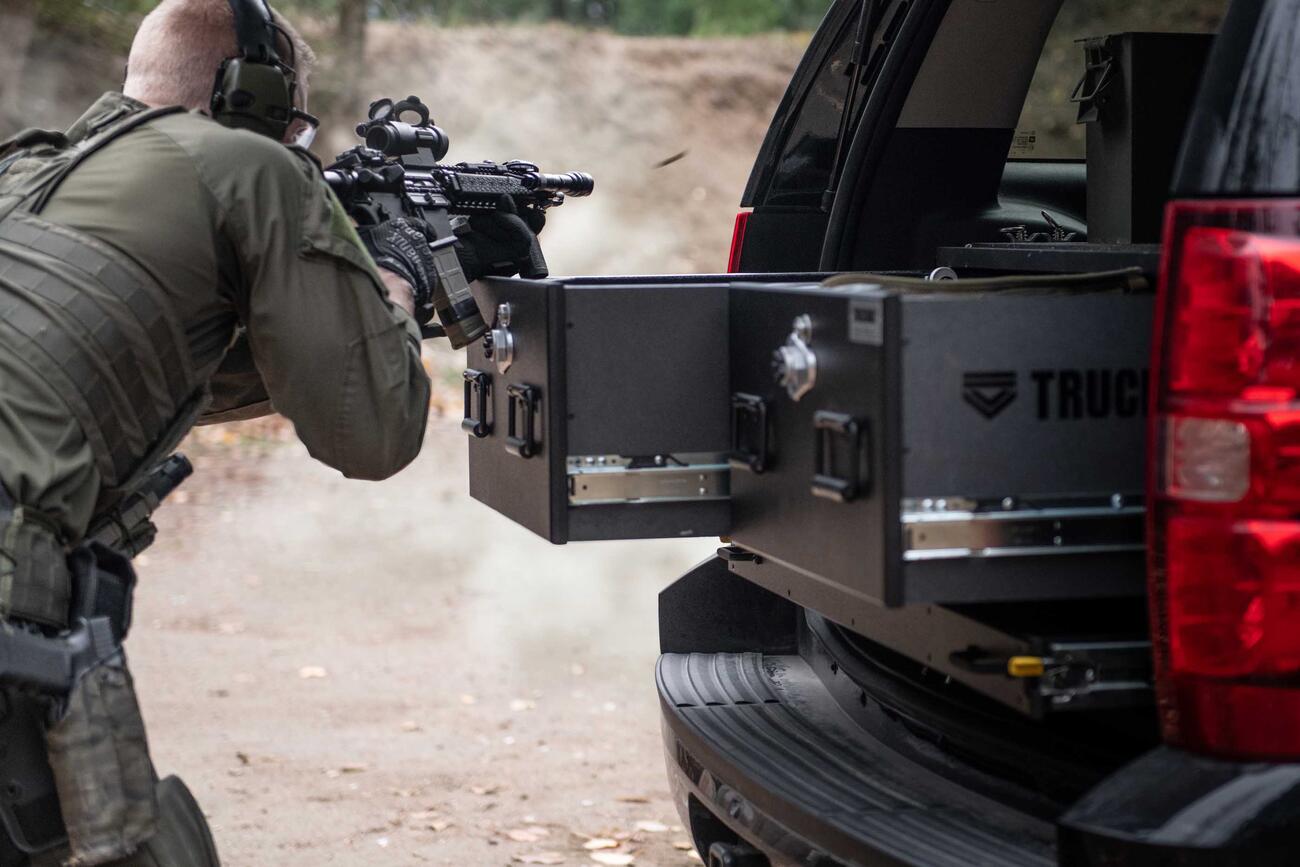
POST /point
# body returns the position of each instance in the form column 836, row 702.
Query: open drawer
column 899, row 443
column 597, row 408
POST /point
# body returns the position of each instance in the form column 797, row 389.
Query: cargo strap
column 1127, row 280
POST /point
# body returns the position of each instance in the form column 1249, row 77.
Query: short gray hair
column 180, row 46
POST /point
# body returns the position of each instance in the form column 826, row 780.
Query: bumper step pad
column 761, row 743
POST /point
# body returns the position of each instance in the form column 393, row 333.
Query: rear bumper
column 757, row 742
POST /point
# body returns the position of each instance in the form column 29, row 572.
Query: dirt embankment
column 612, row 106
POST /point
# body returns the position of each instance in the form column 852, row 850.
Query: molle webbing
column 99, row 328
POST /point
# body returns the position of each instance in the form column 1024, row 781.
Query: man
column 159, row 269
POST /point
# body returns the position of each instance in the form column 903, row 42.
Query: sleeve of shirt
column 336, row 357
column 238, row 393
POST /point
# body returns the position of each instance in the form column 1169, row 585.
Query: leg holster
column 94, row 760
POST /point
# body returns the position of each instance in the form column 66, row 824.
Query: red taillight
column 1225, row 479
column 738, row 242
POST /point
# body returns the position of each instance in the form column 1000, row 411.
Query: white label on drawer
column 867, row 321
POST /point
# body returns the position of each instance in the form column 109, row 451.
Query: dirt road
column 351, row 673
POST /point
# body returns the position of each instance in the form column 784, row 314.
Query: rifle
column 397, row 173
column 51, row 665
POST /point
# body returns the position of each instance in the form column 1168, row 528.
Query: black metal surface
column 827, row 505
column 776, row 513
column 523, row 489
column 1173, row 809
column 1051, row 258
column 759, row 742
column 633, row 366
column 646, row 369
column 1135, row 129
column 712, row 610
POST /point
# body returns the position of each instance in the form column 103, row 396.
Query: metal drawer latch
column 795, row 365
column 478, row 388
column 523, row 401
column 828, row 428
column 499, row 342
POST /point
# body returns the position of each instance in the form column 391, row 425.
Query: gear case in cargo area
column 890, row 452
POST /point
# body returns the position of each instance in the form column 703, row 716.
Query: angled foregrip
column 534, row 267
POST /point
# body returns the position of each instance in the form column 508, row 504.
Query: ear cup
column 253, row 96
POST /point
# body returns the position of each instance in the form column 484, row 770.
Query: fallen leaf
column 540, row 858
column 309, row 672
column 613, row 859
column 633, row 799
column 527, row 835
column 439, row 825
column 600, row 843
column 683, row 845
column 694, row 856
column 485, row 790
column 521, row 704
column 243, row 757
column 355, row 768
column 410, row 725
column 651, row 827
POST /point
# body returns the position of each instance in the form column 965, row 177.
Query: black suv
column 1002, row 438
column 806, row 724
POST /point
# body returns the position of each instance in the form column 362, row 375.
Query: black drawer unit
column 597, row 407
column 908, row 444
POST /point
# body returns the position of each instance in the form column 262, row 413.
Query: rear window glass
column 1047, row 128
column 803, row 170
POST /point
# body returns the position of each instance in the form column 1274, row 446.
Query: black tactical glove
column 402, row 246
column 503, row 243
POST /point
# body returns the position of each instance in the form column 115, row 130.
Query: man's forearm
column 399, row 291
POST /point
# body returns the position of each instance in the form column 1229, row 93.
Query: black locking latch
column 523, row 401
column 748, row 432
column 828, row 429
column 478, row 388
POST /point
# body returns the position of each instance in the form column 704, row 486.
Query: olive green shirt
column 282, row 307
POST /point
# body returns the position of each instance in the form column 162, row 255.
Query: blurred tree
column 352, row 16
column 17, row 27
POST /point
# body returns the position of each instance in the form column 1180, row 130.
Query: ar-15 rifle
column 397, row 173
column 52, row 665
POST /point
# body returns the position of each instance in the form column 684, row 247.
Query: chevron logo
column 989, row 391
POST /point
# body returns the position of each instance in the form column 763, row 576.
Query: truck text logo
column 1079, row 394
column 989, row 391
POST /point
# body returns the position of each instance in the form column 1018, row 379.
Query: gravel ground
column 359, row 673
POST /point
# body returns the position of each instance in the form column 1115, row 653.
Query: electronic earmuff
column 254, row 90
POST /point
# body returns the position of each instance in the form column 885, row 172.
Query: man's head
column 182, row 43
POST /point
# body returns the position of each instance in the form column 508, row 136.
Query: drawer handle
column 478, row 386
column 828, row 428
column 748, row 426
column 523, row 401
